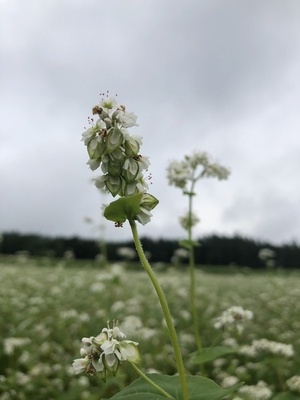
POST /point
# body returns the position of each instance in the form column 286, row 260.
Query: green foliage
column 58, row 304
column 212, row 353
column 286, row 396
column 200, row 388
column 124, row 208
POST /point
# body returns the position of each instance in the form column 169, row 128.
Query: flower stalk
column 181, row 174
column 145, row 377
column 164, row 307
column 192, row 270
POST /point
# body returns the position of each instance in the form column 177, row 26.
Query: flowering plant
column 117, row 154
column 184, row 174
column 106, row 352
column 112, row 149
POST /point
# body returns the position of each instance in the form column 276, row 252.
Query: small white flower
column 294, row 383
column 93, row 164
column 80, row 364
column 261, row 391
column 108, row 103
column 129, row 351
column 105, row 352
column 233, row 317
column 144, row 216
column 88, row 135
column 127, row 120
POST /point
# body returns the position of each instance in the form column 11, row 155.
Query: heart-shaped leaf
column 211, row 353
column 199, row 388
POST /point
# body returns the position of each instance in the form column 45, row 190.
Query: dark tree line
column 212, row 250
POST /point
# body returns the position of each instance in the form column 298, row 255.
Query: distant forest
column 212, row 250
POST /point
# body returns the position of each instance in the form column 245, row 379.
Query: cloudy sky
column 220, row 76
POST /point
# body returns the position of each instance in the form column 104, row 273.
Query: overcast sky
column 220, row 76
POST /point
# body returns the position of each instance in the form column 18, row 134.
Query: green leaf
column 286, row 396
column 124, row 208
column 199, row 388
column 211, row 353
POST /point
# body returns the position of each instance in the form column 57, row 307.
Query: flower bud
column 130, row 169
column 113, row 184
column 131, row 146
column 114, row 139
column 149, row 201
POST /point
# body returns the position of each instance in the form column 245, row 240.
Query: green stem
column 165, row 309
column 192, row 272
column 158, row 388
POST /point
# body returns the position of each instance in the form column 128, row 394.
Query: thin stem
column 158, row 388
column 165, row 309
column 192, row 270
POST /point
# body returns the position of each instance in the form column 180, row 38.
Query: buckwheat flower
column 127, row 119
column 144, row 216
column 272, row 347
column 197, row 158
column 126, row 252
column 80, row 364
column 108, row 103
column 106, row 352
column 217, row 171
column 294, row 383
column 10, row 344
column 88, row 135
column 233, row 317
column 187, row 220
column 93, row 164
column 261, row 391
column 229, row 381
column 179, row 173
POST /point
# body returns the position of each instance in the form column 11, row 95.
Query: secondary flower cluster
column 105, row 352
column 180, row 172
column 265, row 346
column 110, row 147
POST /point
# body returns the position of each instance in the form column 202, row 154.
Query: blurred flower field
column 46, row 310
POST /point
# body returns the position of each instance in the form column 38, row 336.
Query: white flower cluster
column 180, row 172
column 111, row 147
column 106, row 352
column 187, row 221
column 294, row 383
column 263, row 346
column 12, row 343
column 266, row 253
column 267, row 256
column 126, row 252
column 261, row 391
column 233, row 317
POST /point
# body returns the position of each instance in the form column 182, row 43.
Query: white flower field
column 46, row 309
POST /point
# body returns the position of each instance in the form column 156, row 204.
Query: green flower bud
column 149, row 201
column 96, row 148
column 131, row 146
column 114, row 139
column 113, row 184
column 114, row 168
column 130, row 169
